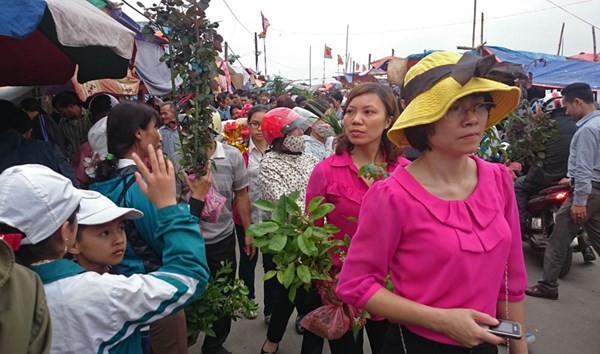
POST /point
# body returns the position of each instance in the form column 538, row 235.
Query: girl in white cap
column 91, row 312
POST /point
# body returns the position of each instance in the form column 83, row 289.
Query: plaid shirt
column 75, row 132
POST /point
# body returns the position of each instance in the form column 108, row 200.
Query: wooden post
column 226, row 52
column 474, row 22
column 392, row 51
column 560, row 39
column 369, row 62
column 347, row 57
column 310, row 67
column 256, row 50
column 481, row 34
column 594, row 40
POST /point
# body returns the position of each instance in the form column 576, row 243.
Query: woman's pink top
column 444, row 254
column 336, row 179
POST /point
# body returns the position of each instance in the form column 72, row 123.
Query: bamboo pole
column 560, row 38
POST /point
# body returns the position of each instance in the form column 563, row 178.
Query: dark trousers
column 313, row 344
column 396, row 341
column 271, row 286
column 282, row 310
column 247, row 266
column 565, row 230
column 524, row 189
column 215, row 254
column 169, row 335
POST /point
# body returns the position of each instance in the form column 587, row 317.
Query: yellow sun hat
column 442, row 78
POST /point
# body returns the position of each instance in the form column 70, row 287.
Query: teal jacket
column 103, row 313
column 146, row 226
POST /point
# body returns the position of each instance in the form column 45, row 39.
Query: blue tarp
column 18, row 19
column 557, row 72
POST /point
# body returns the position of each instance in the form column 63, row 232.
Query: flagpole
column 265, row 53
column 346, row 64
column 310, row 67
column 324, row 69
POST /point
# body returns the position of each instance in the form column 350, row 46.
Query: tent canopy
column 553, row 71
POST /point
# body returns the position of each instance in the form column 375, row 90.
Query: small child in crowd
column 93, row 311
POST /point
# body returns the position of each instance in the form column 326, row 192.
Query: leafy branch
column 301, row 249
column 221, row 298
column 192, row 47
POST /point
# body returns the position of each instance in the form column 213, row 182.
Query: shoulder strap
column 126, row 186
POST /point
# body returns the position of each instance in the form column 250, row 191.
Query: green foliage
column 232, row 58
column 301, row 249
column 193, row 40
column 374, row 171
column 221, row 298
column 330, row 118
column 278, row 85
column 527, row 133
column 491, row 145
column 301, row 92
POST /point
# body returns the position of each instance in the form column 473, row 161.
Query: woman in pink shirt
column 370, row 111
column 446, row 226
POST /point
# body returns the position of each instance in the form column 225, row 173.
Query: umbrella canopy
column 43, row 40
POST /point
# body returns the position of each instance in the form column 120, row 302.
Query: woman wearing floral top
column 283, row 170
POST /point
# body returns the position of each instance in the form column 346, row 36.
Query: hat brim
column 94, row 213
column 431, row 105
column 301, row 122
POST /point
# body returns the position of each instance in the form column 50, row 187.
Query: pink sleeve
column 317, row 186
column 517, row 274
column 366, row 266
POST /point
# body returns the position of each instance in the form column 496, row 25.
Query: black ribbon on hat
column 467, row 67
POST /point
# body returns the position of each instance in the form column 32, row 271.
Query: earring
column 66, row 249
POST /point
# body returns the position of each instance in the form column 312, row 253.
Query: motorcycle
column 542, row 209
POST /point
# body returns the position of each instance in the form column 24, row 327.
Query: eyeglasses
column 481, row 110
column 254, row 124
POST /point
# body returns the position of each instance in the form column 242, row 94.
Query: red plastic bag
column 328, row 321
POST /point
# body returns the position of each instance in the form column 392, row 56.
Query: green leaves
column 262, row 228
column 321, row 211
column 223, row 296
column 265, row 205
column 277, row 243
column 301, row 250
column 374, row 171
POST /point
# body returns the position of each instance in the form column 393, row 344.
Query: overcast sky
column 408, row 27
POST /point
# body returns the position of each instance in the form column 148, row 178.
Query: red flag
column 357, row 67
column 340, row 61
column 265, row 25
column 327, row 53
column 364, row 68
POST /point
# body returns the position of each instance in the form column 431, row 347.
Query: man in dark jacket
column 17, row 149
column 554, row 167
column 44, row 127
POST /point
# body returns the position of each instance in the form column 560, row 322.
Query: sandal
column 262, row 349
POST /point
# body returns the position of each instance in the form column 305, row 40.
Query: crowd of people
column 106, row 239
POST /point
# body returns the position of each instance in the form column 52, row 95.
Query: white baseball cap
column 97, row 137
column 96, row 209
column 37, row 201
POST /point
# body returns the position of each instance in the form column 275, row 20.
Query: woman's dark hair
column 386, row 95
column 31, row 104
column 49, row 248
column 284, row 100
column 123, row 122
column 257, row 108
column 418, row 136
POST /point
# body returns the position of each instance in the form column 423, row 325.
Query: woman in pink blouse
column 446, row 226
column 370, row 111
